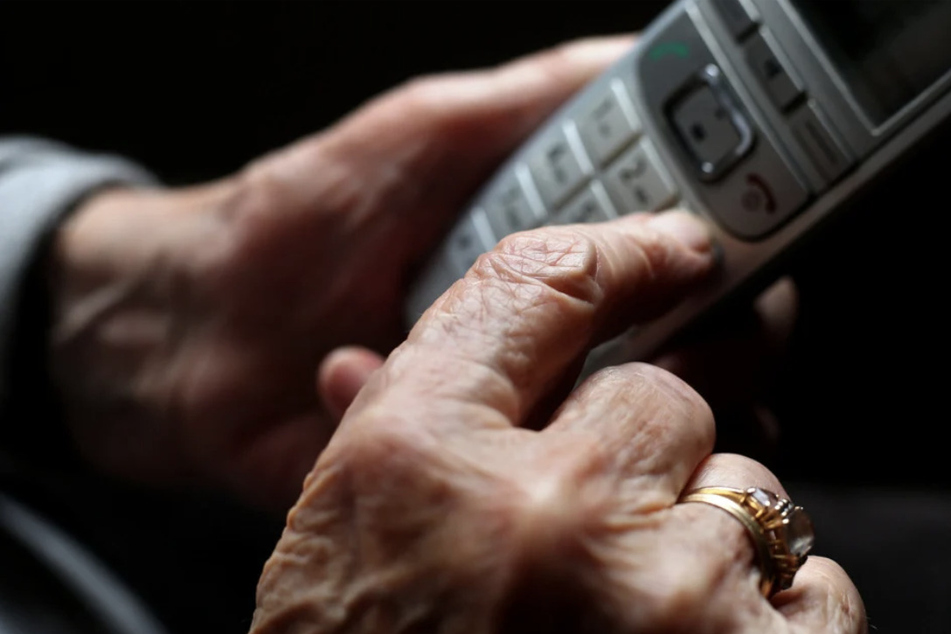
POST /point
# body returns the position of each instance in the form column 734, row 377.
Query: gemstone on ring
column 796, row 529
column 798, row 533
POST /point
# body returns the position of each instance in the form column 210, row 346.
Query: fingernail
column 684, row 227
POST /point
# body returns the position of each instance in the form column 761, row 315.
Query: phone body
column 765, row 117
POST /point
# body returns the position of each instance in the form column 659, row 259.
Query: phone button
column 608, row 124
column 510, row 208
column 591, row 205
column 710, row 124
column 737, row 17
column 760, row 195
column 669, row 58
column 772, row 73
column 817, row 140
column 637, row 182
column 556, row 168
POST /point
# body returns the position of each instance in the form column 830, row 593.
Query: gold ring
column 781, row 532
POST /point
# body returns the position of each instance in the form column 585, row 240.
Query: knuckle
column 427, row 97
column 422, row 86
column 554, row 64
column 557, row 507
column 732, row 469
column 258, row 192
column 687, row 586
column 390, row 475
column 559, row 262
column 674, row 420
column 272, row 186
column 690, row 579
column 384, row 450
column 262, row 182
column 244, row 234
column 678, row 602
column 420, row 92
column 676, row 393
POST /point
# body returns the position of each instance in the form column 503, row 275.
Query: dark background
column 195, row 90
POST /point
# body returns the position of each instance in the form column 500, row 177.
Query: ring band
column 781, row 532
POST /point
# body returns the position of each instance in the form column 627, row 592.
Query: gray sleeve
column 40, row 181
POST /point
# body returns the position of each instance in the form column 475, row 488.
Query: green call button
column 669, row 49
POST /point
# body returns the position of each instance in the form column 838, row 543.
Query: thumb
column 342, row 374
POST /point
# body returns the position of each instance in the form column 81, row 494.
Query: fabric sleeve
column 40, row 182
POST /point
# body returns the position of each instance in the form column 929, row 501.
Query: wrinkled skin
column 467, row 489
column 188, row 324
column 434, row 510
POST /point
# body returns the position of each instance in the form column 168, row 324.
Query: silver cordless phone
column 762, row 116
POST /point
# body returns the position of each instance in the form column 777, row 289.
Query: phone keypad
column 592, row 167
column 626, row 172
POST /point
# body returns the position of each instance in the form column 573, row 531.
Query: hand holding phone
column 764, row 117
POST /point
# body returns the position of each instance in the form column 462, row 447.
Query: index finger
column 528, row 310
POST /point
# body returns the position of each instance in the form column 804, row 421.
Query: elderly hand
column 436, row 509
column 188, row 324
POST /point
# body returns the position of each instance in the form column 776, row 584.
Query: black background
column 195, row 90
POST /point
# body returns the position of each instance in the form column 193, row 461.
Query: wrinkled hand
column 189, row 324
column 434, row 509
